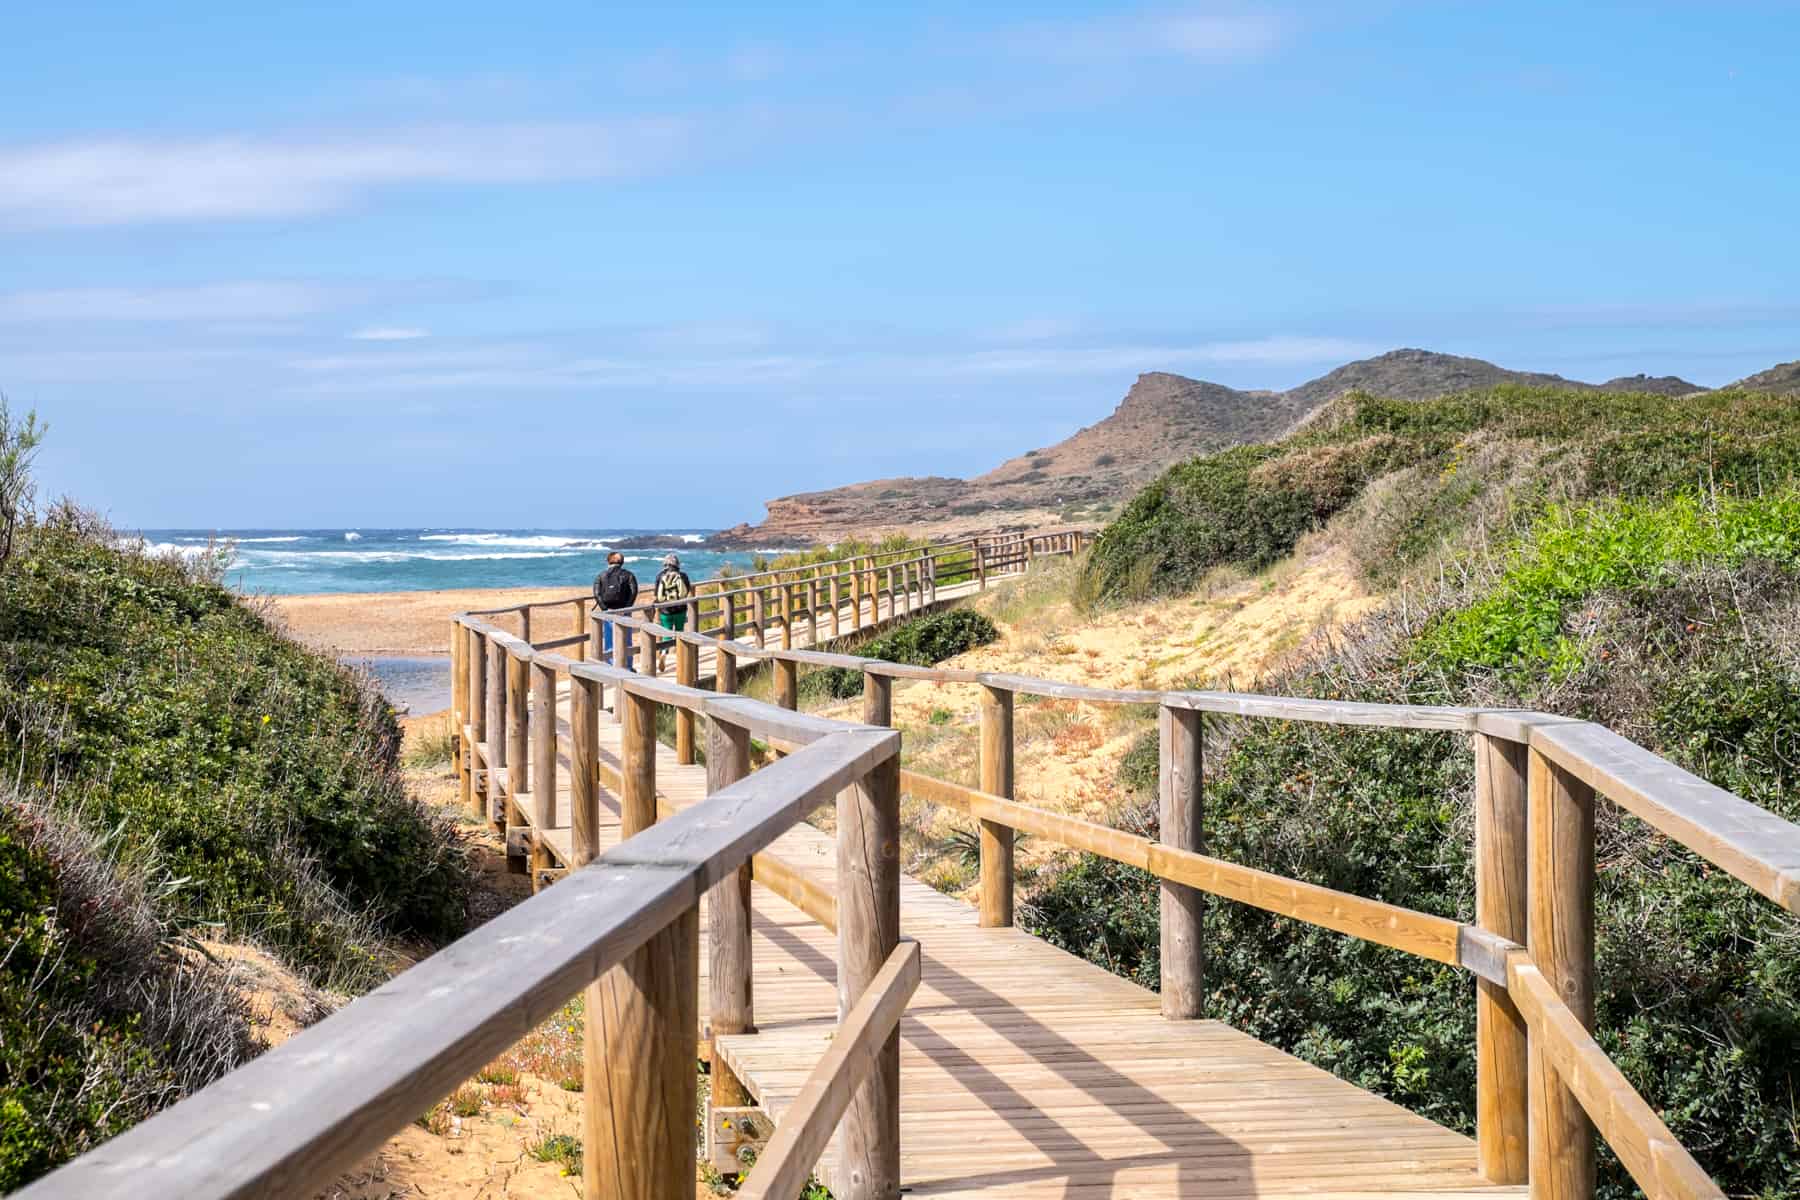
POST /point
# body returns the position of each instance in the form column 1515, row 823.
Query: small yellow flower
column 265, row 718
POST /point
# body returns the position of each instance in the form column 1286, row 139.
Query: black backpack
column 615, row 588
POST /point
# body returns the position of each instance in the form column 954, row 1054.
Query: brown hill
column 1784, row 377
column 1162, row 420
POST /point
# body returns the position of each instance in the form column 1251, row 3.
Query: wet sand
column 370, row 624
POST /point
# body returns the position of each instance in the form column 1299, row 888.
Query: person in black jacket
column 614, row 588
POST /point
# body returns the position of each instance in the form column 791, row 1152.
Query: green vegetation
column 923, row 642
column 1675, row 622
column 1415, row 480
column 179, row 767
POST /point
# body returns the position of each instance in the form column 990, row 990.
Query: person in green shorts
column 672, row 585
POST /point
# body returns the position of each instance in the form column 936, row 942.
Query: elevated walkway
column 1026, row 1071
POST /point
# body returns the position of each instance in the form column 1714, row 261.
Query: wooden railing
column 623, row 924
column 826, row 599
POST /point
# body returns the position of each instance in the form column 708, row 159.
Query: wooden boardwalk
column 1026, row 1071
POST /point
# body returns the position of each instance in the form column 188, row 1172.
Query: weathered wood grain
column 1560, row 930
column 1501, row 1052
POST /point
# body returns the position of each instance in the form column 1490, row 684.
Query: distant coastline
column 292, row 562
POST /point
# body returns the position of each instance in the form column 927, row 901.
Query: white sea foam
column 350, row 535
column 693, row 538
column 176, row 548
column 546, row 541
column 302, row 558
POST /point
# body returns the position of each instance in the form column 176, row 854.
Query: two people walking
column 616, row 588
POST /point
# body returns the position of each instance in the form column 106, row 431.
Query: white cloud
column 134, row 181
column 1213, row 34
column 388, row 333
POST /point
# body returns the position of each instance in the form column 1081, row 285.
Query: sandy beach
column 405, row 623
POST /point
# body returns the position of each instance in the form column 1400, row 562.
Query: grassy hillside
column 1628, row 560
column 179, row 769
column 1425, row 476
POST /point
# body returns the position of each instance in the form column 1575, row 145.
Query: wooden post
column 787, row 684
column 518, row 751
column 1560, row 937
column 642, row 1021
column 980, row 563
column 997, row 780
column 638, row 1070
column 1181, row 800
column 581, row 628
column 893, row 605
column 543, row 746
column 724, row 670
column 837, row 601
column 787, row 688
column 459, row 716
column 518, row 724
column 757, row 613
column 646, row 649
column 856, row 593
column 687, row 673
column 732, row 1007
column 729, row 602
column 477, row 718
column 584, row 782
column 496, row 725
column 1501, row 1052
column 868, row 897
column 525, row 624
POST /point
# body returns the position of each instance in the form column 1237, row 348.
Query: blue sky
column 568, row 264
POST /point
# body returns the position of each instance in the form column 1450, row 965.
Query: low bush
column 101, row 1022
column 1435, row 471
column 924, row 642
column 1676, row 624
column 264, row 775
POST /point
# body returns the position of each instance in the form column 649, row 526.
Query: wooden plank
column 313, row 1106
column 855, row 1056
column 1750, row 843
column 1418, row 933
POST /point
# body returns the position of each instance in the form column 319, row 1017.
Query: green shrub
column 1469, row 461
column 262, row 774
column 1677, row 625
column 924, row 642
column 101, row 1023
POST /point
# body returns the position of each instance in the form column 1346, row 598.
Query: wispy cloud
column 389, row 333
column 133, row 181
column 1212, row 34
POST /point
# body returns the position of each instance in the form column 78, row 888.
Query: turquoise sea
column 287, row 562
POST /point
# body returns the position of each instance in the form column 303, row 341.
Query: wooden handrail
column 783, row 1167
column 1428, row 936
column 336, row 1091
column 1651, row 1154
